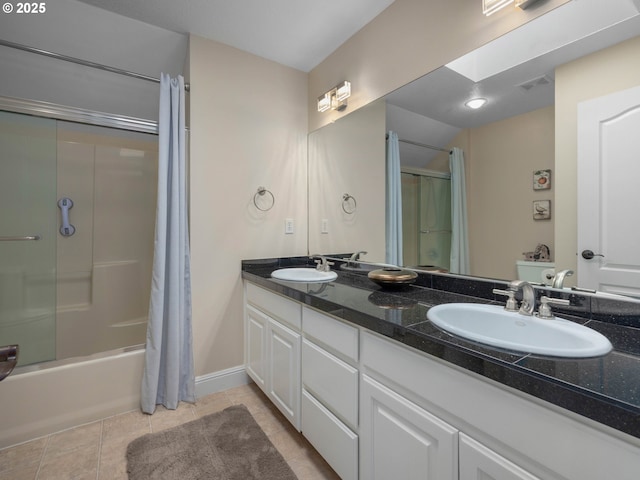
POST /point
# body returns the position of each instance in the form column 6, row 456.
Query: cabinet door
column 477, row 462
column 284, row 370
column 256, row 346
column 399, row 439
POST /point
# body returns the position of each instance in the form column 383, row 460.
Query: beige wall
column 500, row 159
column 407, row 40
column 248, row 121
column 610, row 70
column 348, row 156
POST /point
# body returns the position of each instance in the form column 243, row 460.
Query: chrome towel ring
column 264, row 199
column 349, row 204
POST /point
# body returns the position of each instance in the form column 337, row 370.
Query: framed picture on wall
column 542, row 209
column 542, row 179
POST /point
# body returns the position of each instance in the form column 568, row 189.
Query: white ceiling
column 296, row 33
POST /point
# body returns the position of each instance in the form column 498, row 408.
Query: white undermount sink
column 493, row 325
column 309, row 275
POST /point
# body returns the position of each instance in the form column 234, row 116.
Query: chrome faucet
column 558, row 279
column 356, row 256
column 322, row 262
column 528, row 305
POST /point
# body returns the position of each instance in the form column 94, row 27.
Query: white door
column 609, row 193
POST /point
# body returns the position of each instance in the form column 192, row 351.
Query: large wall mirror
column 519, row 148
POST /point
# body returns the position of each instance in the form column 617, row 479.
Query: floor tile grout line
column 99, row 448
column 42, row 456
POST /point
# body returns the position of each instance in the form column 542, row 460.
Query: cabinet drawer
column 275, row 305
column 332, row 381
column 337, row 444
column 336, row 336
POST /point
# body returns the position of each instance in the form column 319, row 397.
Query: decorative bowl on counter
column 392, row 276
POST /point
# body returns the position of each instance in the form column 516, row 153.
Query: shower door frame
column 88, row 117
column 77, row 115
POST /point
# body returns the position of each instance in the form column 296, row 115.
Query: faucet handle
column 512, row 304
column 322, row 265
column 545, row 310
column 321, row 262
column 356, row 255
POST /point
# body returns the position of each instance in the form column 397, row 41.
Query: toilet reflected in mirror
column 537, row 272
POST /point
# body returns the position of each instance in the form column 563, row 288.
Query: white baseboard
column 220, row 381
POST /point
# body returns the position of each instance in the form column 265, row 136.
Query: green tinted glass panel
column 28, row 266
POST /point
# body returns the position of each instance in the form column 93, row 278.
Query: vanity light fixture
column 476, row 103
column 324, row 102
column 336, row 98
column 524, row 4
column 343, row 91
column 492, row 6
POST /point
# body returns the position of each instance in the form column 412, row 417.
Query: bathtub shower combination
column 76, row 236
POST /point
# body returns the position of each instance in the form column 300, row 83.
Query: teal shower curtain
column 168, row 371
column 393, row 202
column 459, row 234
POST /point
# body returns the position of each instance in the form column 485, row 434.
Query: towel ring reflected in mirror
column 264, row 199
column 349, row 204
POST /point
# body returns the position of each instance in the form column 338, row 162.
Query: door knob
column 588, row 254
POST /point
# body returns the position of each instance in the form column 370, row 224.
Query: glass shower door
column 435, row 222
column 426, row 221
column 28, row 228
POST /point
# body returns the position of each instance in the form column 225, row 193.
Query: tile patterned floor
column 98, row 450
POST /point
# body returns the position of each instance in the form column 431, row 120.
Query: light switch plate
column 288, row 226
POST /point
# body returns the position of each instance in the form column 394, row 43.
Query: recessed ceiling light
column 476, row 103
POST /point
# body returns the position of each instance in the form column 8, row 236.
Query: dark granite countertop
column 605, row 389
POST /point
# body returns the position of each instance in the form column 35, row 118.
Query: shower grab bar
column 66, row 229
column 19, row 239
column 435, row 231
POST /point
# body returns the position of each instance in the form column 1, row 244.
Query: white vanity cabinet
column 502, row 434
column 399, row 439
column 272, row 348
column 377, row 409
column 330, row 390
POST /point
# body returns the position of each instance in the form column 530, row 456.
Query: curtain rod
column 424, row 145
column 86, row 63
